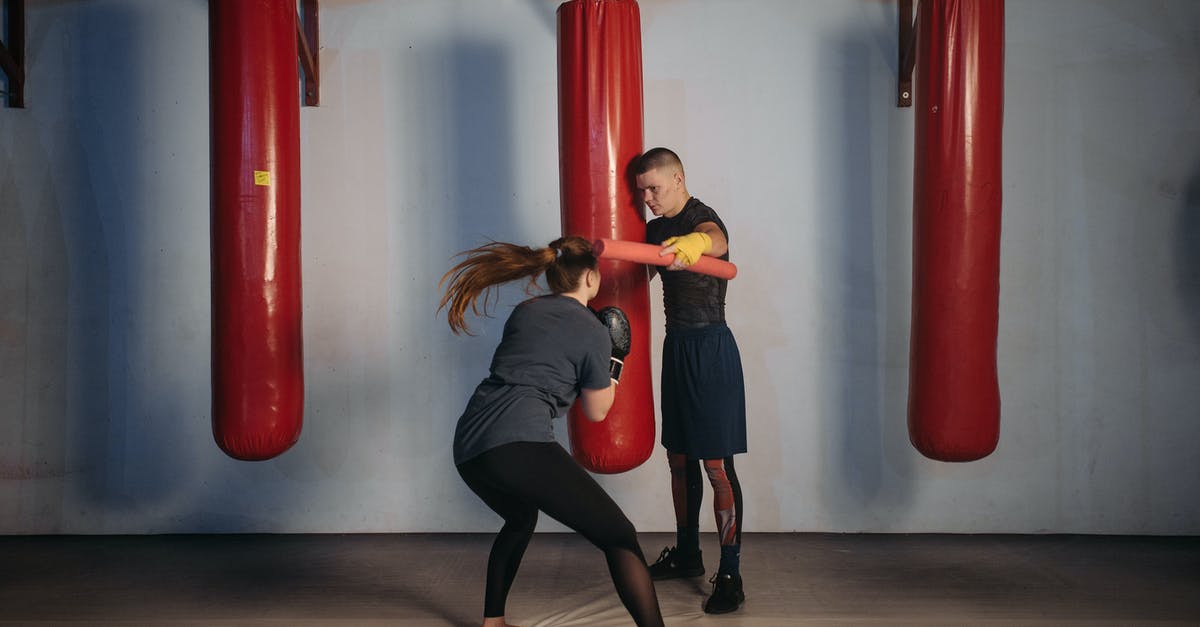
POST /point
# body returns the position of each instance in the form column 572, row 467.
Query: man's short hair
column 657, row 158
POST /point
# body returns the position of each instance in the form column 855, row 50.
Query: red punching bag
column 953, row 395
column 600, row 133
column 257, row 369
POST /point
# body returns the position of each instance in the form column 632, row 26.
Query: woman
column 553, row 350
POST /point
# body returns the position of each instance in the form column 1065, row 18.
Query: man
column 703, row 395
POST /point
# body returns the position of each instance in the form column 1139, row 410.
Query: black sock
column 731, row 557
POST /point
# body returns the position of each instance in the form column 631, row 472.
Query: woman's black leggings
column 519, row 479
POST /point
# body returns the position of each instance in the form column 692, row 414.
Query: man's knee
column 715, row 468
column 677, row 462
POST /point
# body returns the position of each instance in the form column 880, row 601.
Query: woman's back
column 552, row 346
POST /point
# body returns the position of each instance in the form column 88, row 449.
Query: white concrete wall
column 438, row 130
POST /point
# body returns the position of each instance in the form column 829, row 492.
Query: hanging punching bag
column 600, row 133
column 953, row 395
column 257, row 369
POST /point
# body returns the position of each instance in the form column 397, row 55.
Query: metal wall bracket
column 308, row 36
column 907, row 54
column 12, row 51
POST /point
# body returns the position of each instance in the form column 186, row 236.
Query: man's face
column 662, row 191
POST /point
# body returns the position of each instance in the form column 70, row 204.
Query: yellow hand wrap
column 688, row 248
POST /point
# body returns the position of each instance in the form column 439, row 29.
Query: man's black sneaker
column 727, row 594
column 673, row 563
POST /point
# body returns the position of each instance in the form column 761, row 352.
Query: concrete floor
column 422, row 579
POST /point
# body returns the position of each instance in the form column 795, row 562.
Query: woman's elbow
column 595, row 415
column 596, row 403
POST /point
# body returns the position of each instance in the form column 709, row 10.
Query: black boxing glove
column 617, row 324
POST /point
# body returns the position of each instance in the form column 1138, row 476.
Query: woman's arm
column 596, row 403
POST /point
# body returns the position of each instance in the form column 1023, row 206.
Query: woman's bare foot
column 496, row 621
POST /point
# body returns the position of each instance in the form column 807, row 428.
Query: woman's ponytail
column 495, row 263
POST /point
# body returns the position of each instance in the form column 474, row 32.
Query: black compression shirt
column 689, row 298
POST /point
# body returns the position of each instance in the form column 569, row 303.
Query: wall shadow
column 479, row 181
column 33, row 339
column 458, row 98
column 1187, row 250
column 855, row 286
column 126, row 409
column 103, row 234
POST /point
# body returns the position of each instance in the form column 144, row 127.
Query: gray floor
column 792, row 579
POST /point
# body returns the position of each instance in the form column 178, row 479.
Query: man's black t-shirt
column 690, row 299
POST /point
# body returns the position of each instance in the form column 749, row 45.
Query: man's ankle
column 731, row 558
column 687, row 540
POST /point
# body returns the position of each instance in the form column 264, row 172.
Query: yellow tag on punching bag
column 262, row 178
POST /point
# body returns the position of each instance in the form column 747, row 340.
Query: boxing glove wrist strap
column 614, row 369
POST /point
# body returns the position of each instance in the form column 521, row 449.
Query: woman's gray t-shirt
column 552, row 347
